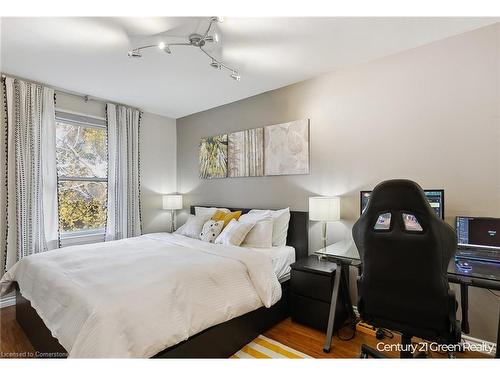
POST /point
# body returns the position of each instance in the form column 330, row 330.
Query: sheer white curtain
column 123, row 172
column 31, row 176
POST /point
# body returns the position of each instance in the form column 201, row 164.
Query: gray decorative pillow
column 211, row 229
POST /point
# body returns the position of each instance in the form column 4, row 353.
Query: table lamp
column 325, row 209
column 172, row 202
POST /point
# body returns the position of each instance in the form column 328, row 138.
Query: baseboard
column 8, row 300
column 480, row 343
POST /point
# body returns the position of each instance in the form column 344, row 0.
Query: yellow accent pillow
column 226, row 217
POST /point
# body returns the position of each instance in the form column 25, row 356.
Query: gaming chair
column 405, row 249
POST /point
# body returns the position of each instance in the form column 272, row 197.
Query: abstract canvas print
column 213, row 157
column 286, row 148
column 246, row 153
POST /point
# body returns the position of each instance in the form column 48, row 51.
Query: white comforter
column 136, row 297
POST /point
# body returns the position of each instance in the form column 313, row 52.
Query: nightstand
column 311, row 287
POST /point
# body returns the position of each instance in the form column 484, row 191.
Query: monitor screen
column 435, row 198
column 478, row 231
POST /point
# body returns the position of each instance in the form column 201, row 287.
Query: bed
column 259, row 305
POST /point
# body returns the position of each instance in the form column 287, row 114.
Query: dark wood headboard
column 298, row 231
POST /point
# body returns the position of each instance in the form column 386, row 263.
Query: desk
column 344, row 254
column 482, row 275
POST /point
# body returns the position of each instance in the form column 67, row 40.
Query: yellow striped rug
column 263, row 347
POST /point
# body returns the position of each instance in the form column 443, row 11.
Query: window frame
column 83, row 236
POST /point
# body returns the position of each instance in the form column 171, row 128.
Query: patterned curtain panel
column 30, row 171
column 123, row 173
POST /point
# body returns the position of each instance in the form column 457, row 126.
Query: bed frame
column 220, row 341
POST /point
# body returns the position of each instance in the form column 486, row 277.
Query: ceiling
column 89, row 55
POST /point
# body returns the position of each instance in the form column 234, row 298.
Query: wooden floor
column 310, row 342
column 14, row 343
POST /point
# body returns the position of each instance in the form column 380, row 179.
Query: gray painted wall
column 430, row 114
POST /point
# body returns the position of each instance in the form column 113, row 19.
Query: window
column 82, row 164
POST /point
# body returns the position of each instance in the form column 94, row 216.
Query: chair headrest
column 398, row 195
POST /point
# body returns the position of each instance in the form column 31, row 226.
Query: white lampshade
column 172, row 202
column 324, row 208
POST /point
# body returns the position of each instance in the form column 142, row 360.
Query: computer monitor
column 482, row 232
column 435, row 198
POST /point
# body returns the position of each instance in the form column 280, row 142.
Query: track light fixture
column 214, row 64
column 235, row 76
column 134, row 53
column 198, row 41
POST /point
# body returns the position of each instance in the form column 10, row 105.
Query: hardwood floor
column 15, row 344
column 13, row 341
column 310, row 342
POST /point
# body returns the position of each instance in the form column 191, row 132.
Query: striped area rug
column 263, row 347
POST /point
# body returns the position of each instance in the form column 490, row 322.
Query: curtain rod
column 69, row 92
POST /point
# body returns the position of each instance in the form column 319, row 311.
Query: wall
column 158, row 159
column 430, row 114
column 158, row 170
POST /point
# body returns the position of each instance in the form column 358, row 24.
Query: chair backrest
column 405, row 249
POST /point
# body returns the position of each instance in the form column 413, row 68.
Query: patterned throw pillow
column 211, row 229
column 226, row 216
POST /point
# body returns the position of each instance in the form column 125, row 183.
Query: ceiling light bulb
column 215, row 38
column 220, row 19
column 134, row 53
column 235, row 76
column 214, row 64
column 164, row 47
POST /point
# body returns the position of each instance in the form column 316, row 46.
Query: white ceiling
column 89, row 55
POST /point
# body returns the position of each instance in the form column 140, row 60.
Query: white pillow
column 281, row 218
column 208, row 211
column 256, row 215
column 193, row 226
column 261, row 235
column 234, row 233
column 211, row 230
column 180, row 230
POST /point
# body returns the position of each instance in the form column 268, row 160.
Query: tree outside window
column 81, row 151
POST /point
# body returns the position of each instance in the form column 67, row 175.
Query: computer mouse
column 464, row 265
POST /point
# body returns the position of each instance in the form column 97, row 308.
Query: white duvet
column 138, row 296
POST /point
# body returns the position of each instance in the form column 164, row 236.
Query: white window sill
column 82, row 237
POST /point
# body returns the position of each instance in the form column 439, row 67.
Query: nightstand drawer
column 314, row 313
column 312, row 285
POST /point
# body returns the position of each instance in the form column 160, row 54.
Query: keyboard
column 487, row 255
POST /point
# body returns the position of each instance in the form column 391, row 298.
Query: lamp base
column 325, row 234
column 172, row 221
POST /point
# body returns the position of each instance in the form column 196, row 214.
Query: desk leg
column 464, row 303
column 347, row 292
column 333, row 306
